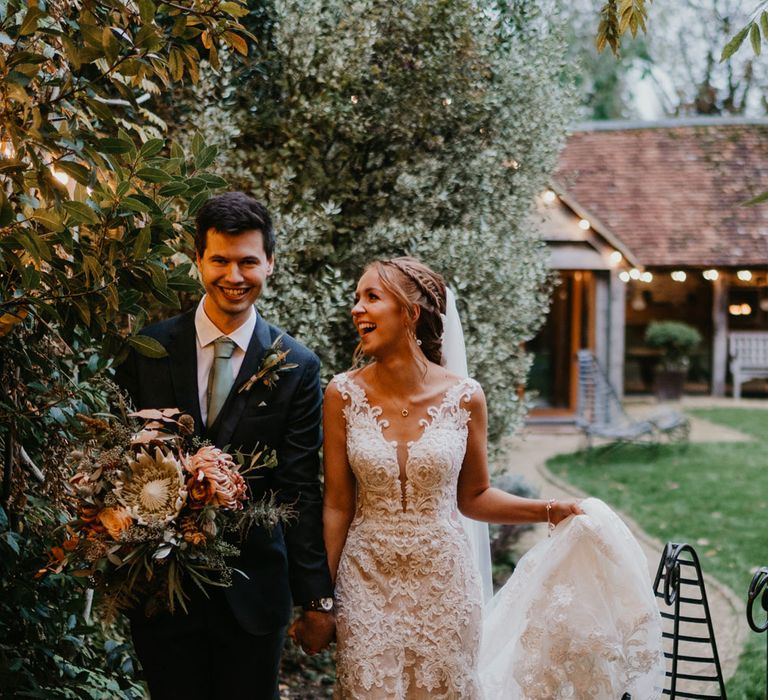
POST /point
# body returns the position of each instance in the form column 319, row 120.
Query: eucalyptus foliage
column 376, row 129
column 93, row 204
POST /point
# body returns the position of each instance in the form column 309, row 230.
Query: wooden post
column 617, row 303
column 720, row 337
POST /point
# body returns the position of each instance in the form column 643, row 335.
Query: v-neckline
column 433, row 412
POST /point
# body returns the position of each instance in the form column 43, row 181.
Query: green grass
column 712, row 495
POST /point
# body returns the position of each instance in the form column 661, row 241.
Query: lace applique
column 577, row 619
column 409, row 611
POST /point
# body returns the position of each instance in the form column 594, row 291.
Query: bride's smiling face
column 377, row 314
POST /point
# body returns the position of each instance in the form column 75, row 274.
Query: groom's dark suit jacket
column 290, row 562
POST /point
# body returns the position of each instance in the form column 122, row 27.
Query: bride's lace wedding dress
column 577, row 620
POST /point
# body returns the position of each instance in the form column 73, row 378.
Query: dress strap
column 464, row 390
column 451, row 407
column 351, row 391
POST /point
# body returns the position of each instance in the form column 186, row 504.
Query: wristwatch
column 319, row 605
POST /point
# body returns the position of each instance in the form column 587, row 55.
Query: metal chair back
column 758, row 593
column 597, row 402
column 693, row 665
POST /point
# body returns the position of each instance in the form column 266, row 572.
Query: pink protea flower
column 210, row 464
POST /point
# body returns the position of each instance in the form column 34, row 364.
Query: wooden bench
column 749, row 357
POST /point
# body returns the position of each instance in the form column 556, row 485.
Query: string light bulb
column 710, row 275
column 584, row 224
column 615, row 257
column 679, row 276
column 744, row 275
column 549, row 196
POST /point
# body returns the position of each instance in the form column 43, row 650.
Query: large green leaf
column 735, row 43
column 114, row 145
column 80, row 213
column 149, row 347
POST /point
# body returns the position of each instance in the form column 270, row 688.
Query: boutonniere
column 272, row 366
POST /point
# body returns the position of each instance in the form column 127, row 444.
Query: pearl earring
column 418, row 342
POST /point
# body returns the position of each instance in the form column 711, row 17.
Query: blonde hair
column 414, row 284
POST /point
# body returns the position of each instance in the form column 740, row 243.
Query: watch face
column 326, row 603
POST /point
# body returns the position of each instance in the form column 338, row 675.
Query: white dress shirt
column 207, row 333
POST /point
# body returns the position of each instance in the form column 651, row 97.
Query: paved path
column 527, row 455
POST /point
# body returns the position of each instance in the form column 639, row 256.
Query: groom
column 229, row 644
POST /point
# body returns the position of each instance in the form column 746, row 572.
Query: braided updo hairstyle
column 413, row 283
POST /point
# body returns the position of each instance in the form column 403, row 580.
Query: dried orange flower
column 115, row 520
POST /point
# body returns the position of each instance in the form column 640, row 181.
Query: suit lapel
column 183, row 351
column 236, row 401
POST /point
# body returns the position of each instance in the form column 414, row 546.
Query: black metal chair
column 600, row 414
column 758, row 591
column 693, row 664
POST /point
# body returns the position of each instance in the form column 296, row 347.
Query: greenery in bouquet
column 153, row 509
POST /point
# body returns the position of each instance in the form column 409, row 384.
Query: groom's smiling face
column 234, row 269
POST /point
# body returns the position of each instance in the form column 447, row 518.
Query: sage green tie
column 220, row 379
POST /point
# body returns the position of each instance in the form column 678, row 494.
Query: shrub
column 677, row 339
column 374, row 129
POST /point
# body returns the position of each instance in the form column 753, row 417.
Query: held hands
column 313, row 631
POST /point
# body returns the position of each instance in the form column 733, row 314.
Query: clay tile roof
column 673, row 192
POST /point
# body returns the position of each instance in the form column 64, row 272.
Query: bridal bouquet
column 152, row 507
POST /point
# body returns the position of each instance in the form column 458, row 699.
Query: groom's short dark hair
column 233, row 213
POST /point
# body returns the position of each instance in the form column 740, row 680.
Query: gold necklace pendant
column 404, row 413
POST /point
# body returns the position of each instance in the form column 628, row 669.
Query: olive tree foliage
column 93, row 203
column 374, row 129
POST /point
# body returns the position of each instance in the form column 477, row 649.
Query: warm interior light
column 739, row 309
column 615, row 257
column 584, row 224
column 710, row 275
column 549, row 196
column 624, row 276
column 744, row 275
column 678, row 276
column 634, row 273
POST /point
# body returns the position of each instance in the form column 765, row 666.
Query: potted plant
column 677, row 340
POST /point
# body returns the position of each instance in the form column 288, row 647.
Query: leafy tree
column 617, row 17
column 686, row 47
column 604, row 82
column 93, row 201
column 689, row 58
column 377, row 129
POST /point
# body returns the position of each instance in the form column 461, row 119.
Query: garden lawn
column 712, row 495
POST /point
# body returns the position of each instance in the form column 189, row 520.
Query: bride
column 405, row 451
